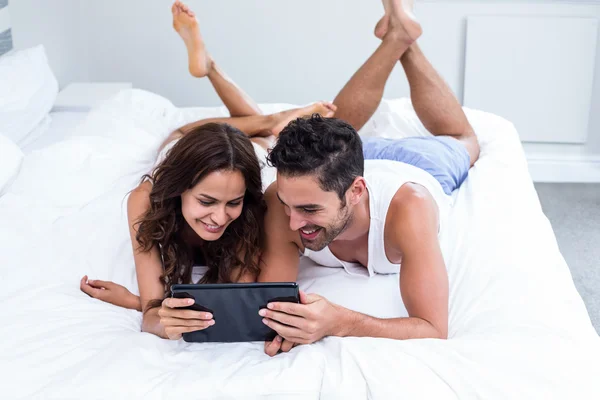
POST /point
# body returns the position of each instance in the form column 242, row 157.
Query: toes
column 187, row 10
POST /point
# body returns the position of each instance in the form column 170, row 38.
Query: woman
column 202, row 205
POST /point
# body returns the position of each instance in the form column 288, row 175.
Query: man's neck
column 360, row 224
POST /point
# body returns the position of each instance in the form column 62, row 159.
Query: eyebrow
column 301, row 205
column 213, row 199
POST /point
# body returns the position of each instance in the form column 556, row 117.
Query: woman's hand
column 176, row 321
column 110, row 292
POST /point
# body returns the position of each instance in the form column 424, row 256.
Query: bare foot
column 382, row 26
column 186, row 24
column 399, row 21
column 324, row 108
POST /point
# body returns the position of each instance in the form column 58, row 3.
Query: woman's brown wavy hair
column 208, row 148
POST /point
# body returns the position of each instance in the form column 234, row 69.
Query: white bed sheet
column 518, row 328
column 56, row 127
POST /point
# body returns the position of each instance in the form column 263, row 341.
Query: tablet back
column 235, row 309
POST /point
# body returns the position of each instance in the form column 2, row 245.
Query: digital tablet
column 235, row 307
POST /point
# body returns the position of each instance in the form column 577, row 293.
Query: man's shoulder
column 411, row 202
column 271, row 193
column 410, row 195
column 277, row 222
column 412, row 216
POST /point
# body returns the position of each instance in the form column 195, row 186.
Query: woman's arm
column 110, row 292
column 148, row 265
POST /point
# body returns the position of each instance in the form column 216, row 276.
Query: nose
column 220, row 216
column 296, row 221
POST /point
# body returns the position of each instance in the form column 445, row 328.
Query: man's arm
column 280, row 258
column 412, row 227
column 411, row 230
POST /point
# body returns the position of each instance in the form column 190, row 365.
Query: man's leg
column 447, row 157
column 435, row 104
column 361, row 96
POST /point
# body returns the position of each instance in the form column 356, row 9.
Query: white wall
column 445, row 30
column 56, row 24
column 288, row 51
column 284, row 51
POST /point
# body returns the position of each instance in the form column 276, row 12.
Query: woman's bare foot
column 186, row 24
column 281, row 119
column 400, row 21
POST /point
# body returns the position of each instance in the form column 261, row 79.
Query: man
column 373, row 217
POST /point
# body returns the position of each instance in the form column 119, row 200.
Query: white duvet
column 518, row 328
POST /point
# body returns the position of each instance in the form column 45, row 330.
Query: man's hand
column 307, row 322
column 278, row 344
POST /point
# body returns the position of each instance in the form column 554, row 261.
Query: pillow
column 11, row 158
column 27, row 91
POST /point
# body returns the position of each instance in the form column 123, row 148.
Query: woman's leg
column 201, row 64
column 235, row 99
column 245, row 113
column 256, row 125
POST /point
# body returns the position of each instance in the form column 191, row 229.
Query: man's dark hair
column 328, row 148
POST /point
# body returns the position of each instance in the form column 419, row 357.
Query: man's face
column 318, row 215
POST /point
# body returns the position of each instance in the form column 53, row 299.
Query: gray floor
column 574, row 211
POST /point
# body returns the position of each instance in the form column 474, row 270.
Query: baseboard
column 583, row 169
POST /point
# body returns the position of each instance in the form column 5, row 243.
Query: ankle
column 271, row 121
column 211, row 67
column 396, row 46
column 409, row 51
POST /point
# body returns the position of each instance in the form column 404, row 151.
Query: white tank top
column 384, row 178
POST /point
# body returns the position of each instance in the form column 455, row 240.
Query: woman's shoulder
column 139, row 199
column 145, row 187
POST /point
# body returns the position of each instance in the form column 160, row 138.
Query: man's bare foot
column 399, row 21
column 186, row 24
column 281, row 119
column 382, row 26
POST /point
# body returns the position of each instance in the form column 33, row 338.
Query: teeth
column 309, row 232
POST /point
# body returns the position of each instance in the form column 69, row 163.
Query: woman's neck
column 191, row 237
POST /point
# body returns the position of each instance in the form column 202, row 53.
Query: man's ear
column 357, row 190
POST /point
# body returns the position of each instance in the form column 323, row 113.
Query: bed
column 56, row 127
column 517, row 327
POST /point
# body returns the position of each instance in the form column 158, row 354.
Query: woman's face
column 214, row 203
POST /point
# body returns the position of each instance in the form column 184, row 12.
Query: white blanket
column 518, row 328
